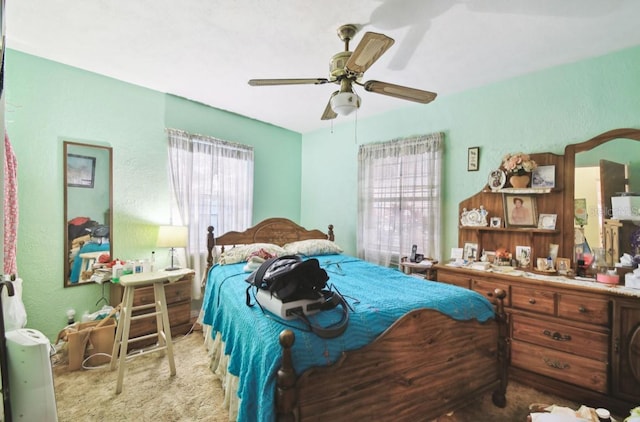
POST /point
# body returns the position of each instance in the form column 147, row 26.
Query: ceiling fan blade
column 329, row 114
column 371, row 47
column 399, row 91
column 299, row 81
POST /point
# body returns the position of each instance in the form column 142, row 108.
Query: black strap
column 334, row 330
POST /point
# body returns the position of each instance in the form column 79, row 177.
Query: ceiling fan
column 347, row 68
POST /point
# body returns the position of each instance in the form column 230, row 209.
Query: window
column 212, row 183
column 399, row 198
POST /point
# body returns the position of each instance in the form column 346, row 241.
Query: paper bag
column 89, row 340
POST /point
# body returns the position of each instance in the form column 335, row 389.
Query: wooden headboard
column 278, row 231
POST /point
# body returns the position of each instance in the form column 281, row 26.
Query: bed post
column 499, row 395
column 330, row 235
column 210, row 246
column 286, row 394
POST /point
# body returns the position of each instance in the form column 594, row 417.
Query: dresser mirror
column 596, row 170
column 88, row 201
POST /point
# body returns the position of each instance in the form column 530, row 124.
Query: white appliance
column 30, row 376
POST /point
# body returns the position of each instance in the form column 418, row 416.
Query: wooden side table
column 425, row 267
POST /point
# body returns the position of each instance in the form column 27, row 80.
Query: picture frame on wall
column 473, row 159
column 81, row 171
column 544, row 177
column 520, row 210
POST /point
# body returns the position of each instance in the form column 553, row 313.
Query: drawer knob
column 532, row 301
column 582, row 309
column 557, row 336
column 556, row 363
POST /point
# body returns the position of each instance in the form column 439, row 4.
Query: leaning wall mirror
column 88, row 200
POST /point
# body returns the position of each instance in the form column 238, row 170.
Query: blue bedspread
column 378, row 295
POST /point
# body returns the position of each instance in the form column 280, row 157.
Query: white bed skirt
column 218, row 365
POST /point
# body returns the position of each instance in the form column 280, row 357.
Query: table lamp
column 172, row 237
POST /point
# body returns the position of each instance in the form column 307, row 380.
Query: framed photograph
column 523, row 256
column 81, row 171
column 495, row 222
column 470, row 251
column 544, row 177
column 520, row 210
column 563, row 265
column 473, row 159
column 547, row 221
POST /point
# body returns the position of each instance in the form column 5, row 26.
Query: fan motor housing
column 336, row 66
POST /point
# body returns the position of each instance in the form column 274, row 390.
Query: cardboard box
column 98, row 340
column 625, row 207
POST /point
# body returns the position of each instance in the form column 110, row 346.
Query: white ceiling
column 207, row 50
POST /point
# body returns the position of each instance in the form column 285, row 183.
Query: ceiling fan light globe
column 344, row 103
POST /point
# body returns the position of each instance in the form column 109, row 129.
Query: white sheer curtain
column 399, row 198
column 212, row 182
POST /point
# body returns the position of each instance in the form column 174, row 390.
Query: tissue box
column 625, row 207
column 632, row 280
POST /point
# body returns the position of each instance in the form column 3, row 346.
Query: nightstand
column 424, row 268
column 178, row 294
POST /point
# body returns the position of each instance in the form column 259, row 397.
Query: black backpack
column 290, row 278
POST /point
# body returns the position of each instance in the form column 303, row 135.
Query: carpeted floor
column 194, row 394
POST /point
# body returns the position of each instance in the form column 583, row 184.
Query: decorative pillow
column 312, row 247
column 242, row 253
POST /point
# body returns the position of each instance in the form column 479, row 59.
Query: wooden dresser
column 178, row 294
column 577, row 339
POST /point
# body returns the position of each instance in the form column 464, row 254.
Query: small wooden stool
column 120, row 345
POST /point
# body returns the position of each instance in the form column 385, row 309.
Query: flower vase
column 520, row 181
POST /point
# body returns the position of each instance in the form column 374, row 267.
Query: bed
column 413, row 350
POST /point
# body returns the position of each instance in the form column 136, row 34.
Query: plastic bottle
column 116, row 272
column 153, row 261
column 128, row 268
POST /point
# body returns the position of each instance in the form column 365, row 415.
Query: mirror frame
column 570, row 152
column 65, row 152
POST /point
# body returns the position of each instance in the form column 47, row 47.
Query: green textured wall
column 49, row 102
column 314, row 181
column 538, row 112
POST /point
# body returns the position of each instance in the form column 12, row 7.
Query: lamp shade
column 344, row 103
column 172, row 236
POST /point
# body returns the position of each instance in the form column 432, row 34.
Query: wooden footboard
column 425, row 365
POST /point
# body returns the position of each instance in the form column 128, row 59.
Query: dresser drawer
column 174, row 292
column 532, row 299
column 578, row 341
column 593, row 310
column 487, row 288
column 565, row 367
column 455, row 279
column 179, row 313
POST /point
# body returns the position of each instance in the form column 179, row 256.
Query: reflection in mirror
column 602, row 173
column 87, row 210
column 606, row 166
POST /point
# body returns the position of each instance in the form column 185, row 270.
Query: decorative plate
column 497, row 180
column 474, row 217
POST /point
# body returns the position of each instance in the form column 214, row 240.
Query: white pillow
column 242, row 252
column 312, row 247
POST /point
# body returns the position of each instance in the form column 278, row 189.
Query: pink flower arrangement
column 518, row 163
